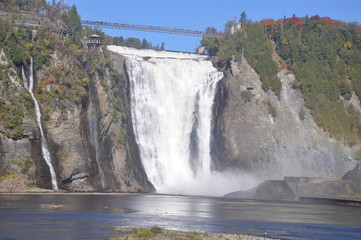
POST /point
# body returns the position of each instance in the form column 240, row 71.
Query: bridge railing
column 148, row 28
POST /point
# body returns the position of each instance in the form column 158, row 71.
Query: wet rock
column 268, row 190
column 354, row 174
column 296, row 188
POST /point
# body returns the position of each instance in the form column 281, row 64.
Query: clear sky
column 199, row 14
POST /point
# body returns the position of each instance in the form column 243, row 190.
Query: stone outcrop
column 269, row 190
column 271, row 137
column 76, row 159
column 76, row 154
column 354, row 174
column 300, row 189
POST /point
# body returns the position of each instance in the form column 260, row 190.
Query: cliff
column 270, row 137
column 73, row 151
column 83, row 98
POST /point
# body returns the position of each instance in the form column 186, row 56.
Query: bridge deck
column 148, row 28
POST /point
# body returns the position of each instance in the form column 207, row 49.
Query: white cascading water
column 172, row 95
column 29, row 85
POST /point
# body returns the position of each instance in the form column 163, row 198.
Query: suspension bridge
column 147, row 28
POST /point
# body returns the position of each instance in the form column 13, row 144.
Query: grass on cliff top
column 157, row 233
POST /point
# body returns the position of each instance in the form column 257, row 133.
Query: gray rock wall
column 76, row 156
column 248, row 137
column 72, row 152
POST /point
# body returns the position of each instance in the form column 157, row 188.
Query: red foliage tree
column 269, row 23
column 326, row 20
column 295, row 20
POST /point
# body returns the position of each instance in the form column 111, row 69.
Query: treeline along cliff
column 288, row 105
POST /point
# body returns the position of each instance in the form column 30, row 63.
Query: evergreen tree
column 145, row 44
column 74, row 24
column 119, row 41
column 211, row 30
column 243, row 19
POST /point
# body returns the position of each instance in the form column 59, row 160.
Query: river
column 75, row 216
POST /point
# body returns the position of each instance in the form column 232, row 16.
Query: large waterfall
column 29, row 85
column 171, row 100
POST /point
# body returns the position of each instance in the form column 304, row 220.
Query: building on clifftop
column 92, row 42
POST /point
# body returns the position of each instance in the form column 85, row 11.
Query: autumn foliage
column 295, row 20
column 268, row 22
column 299, row 22
column 326, row 20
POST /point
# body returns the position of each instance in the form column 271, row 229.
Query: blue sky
column 199, row 14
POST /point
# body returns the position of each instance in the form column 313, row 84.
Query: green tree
column 211, row 44
column 211, row 30
column 73, row 24
column 145, row 43
column 243, row 19
column 119, row 41
column 133, row 42
column 16, row 53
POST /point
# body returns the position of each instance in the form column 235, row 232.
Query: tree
column 119, row 41
column 145, row 43
column 228, row 26
column 133, row 42
column 211, row 44
column 211, row 30
column 243, row 19
column 74, row 24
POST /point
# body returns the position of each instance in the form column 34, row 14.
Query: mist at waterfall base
column 172, row 96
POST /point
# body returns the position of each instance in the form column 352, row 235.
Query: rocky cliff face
column 91, row 144
column 82, row 160
column 270, row 137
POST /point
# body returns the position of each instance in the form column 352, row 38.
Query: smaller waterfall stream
column 29, row 85
column 94, row 136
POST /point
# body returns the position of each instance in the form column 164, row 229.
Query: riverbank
column 156, row 233
column 16, row 184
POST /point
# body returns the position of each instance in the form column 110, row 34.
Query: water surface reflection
column 95, row 216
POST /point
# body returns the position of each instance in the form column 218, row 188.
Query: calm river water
column 63, row 216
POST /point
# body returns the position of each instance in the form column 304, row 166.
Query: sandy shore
column 156, row 233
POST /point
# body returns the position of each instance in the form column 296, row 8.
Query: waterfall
column 29, row 85
column 172, row 95
column 94, row 137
